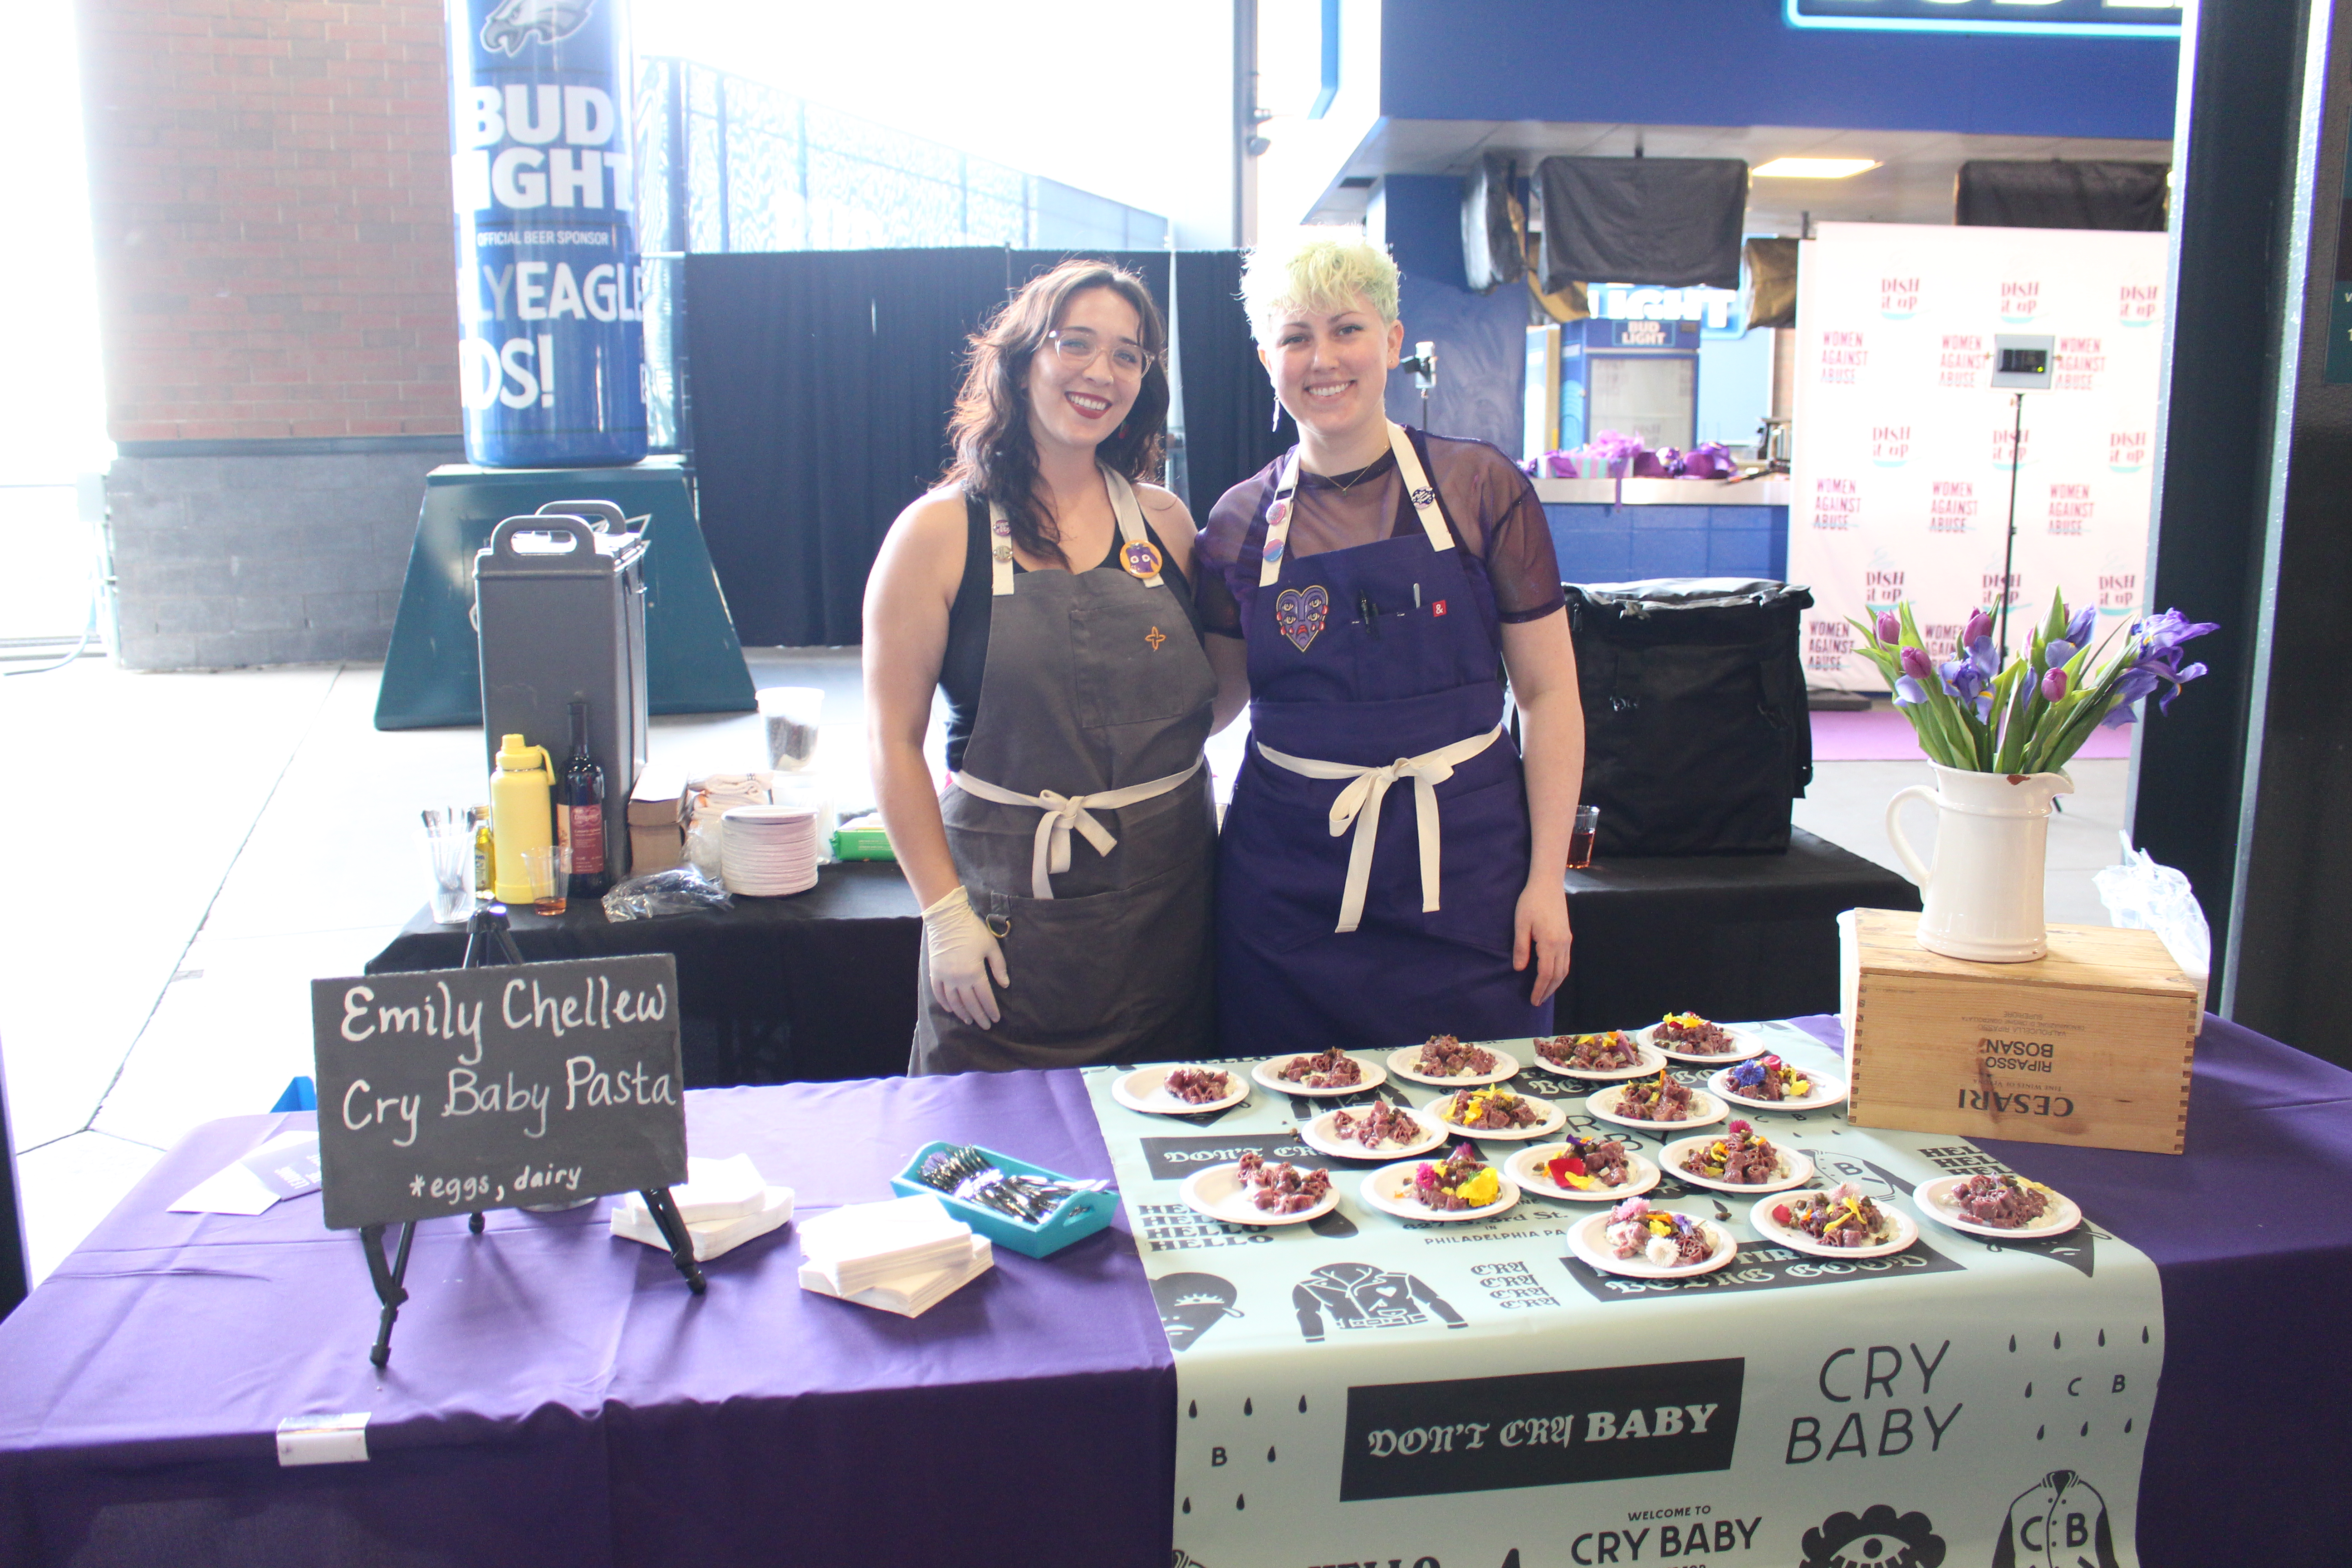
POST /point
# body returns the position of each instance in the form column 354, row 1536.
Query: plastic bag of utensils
column 680, row 890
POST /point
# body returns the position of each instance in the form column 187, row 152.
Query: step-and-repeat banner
column 1369, row 1390
column 1902, row 460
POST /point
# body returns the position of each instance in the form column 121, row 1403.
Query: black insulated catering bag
column 1697, row 735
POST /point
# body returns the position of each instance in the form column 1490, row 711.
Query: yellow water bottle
column 522, row 814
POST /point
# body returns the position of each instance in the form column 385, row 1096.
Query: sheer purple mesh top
column 1492, row 505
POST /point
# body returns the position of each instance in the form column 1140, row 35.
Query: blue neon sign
column 2081, row 18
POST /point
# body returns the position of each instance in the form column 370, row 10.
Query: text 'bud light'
column 551, row 356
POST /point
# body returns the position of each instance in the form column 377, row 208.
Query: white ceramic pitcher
column 1983, row 894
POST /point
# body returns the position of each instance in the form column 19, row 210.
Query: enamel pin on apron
column 1141, row 559
column 1300, row 614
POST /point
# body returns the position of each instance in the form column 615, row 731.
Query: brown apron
column 1095, row 685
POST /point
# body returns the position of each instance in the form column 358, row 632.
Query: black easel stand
column 486, row 933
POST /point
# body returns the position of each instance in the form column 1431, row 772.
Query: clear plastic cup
column 791, row 714
column 449, row 855
column 549, row 871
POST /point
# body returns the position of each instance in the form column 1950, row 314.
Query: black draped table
column 555, row 1396
column 818, row 986
column 1725, row 936
column 821, row 986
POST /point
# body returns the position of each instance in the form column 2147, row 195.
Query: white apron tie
column 1064, row 812
column 1359, row 804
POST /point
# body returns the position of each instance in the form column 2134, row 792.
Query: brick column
column 270, row 192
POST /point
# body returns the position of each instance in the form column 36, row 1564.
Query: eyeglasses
column 1078, row 348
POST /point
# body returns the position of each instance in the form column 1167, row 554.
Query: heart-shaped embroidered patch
column 1300, row 613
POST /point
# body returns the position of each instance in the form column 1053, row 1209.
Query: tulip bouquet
column 2031, row 717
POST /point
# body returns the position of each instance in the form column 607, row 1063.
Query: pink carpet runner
column 1885, row 736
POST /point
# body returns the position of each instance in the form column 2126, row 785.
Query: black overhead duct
column 1671, row 222
column 2055, row 194
column 1768, row 294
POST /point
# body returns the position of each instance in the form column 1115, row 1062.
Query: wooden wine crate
column 2089, row 1045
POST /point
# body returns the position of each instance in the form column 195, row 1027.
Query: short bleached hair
column 1325, row 270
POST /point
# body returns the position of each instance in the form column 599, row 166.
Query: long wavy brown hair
column 995, row 454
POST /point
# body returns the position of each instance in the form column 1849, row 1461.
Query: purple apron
column 1363, row 657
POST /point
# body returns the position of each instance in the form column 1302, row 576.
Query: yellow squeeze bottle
column 522, row 814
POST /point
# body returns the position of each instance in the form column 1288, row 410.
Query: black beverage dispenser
column 560, row 602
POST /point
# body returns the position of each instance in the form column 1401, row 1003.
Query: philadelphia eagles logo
column 519, row 22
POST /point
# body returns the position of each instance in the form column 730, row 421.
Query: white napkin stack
column 770, row 850
column 904, row 1256
column 725, row 1202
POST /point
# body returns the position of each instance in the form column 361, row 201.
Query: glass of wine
column 1580, row 837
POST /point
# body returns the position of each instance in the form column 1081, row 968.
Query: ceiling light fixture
column 1813, row 168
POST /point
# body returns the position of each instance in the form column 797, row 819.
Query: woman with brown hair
column 1045, row 589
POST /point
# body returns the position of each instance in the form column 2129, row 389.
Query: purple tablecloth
column 557, row 1396
column 2251, row 1445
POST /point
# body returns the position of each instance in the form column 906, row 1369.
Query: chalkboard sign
column 455, row 1091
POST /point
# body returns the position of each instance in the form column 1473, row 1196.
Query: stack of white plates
column 769, row 849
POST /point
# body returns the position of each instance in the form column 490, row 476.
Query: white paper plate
column 1796, row 1170
column 1706, row 1110
column 1746, row 1046
column 1318, row 1136
column 1934, row 1199
column 1506, row 1065
column 1218, row 1192
column 1267, row 1073
column 1553, row 1118
column 1828, row 1089
column 1388, row 1189
column 1588, row 1242
column 1140, row 1091
column 1652, row 1060
column 1907, row 1231
column 1526, row 1166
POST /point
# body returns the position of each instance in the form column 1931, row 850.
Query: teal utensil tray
column 1080, row 1215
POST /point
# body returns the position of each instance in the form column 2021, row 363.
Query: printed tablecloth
column 1367, row 1389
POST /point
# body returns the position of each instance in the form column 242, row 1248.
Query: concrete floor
column 192, row 850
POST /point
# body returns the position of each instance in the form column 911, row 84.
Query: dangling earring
column 1275, row 423
column 1120, row 432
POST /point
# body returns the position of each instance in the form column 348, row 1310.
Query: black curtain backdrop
column 1668, row 222
column 2059, row 193
column 820, row 384
column 1228, row 401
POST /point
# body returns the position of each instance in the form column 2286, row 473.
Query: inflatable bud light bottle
column 550, row 362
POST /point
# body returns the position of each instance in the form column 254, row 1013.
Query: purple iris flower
column 1908, row 692
column 1984, row 708
column 2118, row 717
column 2055, row 656
column 1961, row 677
column 1917, row 666
column 1979, row 627
column 2054, row 683
column 2078, row 630
column 2166, row 632
column 1890, row 626
column 1981, row 654
column 2164, row 704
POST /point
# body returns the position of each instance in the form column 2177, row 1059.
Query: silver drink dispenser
column 560, row 602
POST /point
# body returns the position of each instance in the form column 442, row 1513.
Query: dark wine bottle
column 580, row 812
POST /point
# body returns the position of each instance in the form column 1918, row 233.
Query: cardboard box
column 2089, row 1045
column 656, row 843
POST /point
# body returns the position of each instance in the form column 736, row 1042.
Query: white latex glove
column 962, row 953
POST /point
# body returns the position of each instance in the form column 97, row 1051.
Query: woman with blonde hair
column 1044, row 587
column 1389, row 869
